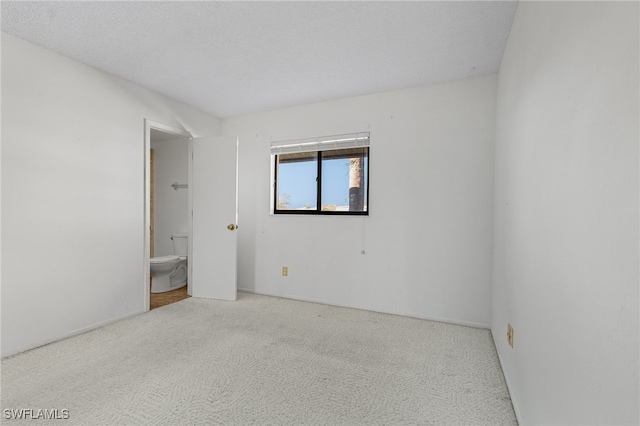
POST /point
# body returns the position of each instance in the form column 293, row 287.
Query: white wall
column 428, row 239
column 72, row 192
column 171, row 207
column 566, row 213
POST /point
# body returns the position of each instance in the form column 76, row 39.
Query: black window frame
column 318, row 210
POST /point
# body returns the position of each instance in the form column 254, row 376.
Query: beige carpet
column 263, row 360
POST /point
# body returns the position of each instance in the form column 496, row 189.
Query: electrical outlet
column 510, row 335
column 285, row 271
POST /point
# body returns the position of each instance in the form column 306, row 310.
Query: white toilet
column 170, row 272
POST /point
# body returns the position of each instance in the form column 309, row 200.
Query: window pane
column 344, row 180
column 296, row 181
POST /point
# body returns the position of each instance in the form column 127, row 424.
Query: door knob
column 231, row 227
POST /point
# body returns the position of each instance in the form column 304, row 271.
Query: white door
column 214, row 218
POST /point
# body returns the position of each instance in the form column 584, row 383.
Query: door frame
column 179, row 133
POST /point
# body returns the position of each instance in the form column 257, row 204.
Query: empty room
column 320, row 212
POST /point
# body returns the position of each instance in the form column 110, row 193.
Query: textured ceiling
column 232, row 58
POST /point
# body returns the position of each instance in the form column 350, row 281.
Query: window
column 322, row 175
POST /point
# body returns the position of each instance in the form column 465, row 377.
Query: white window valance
column 324, row 143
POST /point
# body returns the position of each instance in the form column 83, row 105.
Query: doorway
column 212, row 189
column 157, row 133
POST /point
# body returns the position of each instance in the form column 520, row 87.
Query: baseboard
column 514, row 404
column 401, row 313
column 71, row 334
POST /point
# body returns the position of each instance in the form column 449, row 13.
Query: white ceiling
column 232, row 58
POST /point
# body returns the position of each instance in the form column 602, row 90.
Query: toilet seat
column 163, row 259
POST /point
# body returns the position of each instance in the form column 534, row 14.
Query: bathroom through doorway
column 212, row 198
column 167, row 205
